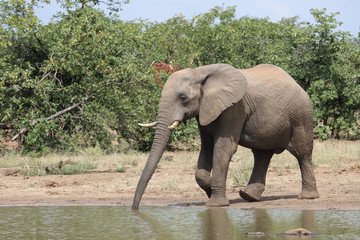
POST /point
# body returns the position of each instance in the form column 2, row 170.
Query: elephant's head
column 204, row 92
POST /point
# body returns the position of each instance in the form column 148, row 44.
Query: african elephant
column 261, row 108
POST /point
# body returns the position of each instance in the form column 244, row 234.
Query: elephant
column 261, row 108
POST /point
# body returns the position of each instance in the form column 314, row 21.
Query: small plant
column 75, row 168
column 67, row 167
column 37, row 170
column 121, row 169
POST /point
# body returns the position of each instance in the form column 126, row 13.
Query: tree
column 87, row 78
column 49, row 72
column 334, row 88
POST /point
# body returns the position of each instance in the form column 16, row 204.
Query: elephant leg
column 203, row 173
column 205, row 164
column 224, row 149
column 256, row 186
column 309, row 190
column 301, row 146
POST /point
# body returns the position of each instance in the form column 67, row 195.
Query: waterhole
column 119, row 222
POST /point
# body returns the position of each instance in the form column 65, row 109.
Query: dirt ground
column 173, row 184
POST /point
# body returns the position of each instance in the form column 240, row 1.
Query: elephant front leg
column 203, row 178
column 223, row 151
column 256, row 186
column 203, row 171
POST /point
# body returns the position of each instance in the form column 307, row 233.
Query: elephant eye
column 183, row 97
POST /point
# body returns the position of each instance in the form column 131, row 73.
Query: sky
column 161, row 10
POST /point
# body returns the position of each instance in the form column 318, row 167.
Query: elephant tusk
column 174, row 125
column 153, row 124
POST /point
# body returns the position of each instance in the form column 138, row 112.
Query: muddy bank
column 174, row 184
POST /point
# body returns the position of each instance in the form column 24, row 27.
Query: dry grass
column 332, row 154
column 335, row 155
column 337, row 166
column 90, row 159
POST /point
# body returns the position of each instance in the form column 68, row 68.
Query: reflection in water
column 263, row 222
column 112, row 222
column 216, row 224
column 159, row 229
column 307, row 219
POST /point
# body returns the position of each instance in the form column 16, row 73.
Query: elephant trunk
column 161, row 139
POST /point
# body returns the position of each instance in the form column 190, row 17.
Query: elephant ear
column 222, row 86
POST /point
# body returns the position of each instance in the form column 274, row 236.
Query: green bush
column 86, row 79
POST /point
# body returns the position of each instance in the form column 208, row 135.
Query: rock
column 256, row 234
column 297, row 231
column 293, row 232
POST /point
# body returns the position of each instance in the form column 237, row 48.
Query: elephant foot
column 252, row 192
column 307, row 194
column 217, row 202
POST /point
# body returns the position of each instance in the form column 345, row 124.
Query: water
column 115, row 222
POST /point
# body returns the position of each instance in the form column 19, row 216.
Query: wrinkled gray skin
column 261, row 108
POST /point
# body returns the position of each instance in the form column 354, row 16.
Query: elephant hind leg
column 301, row 148
column 309, row 190
column 256, row 186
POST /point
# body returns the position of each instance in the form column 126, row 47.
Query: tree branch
column 52, row 117
column 58, row 114
column 45, row 76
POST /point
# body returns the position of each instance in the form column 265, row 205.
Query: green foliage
column 85, row 79
column 76, row 168
column 335, row 88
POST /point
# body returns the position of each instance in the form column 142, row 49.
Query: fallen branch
column 52, row 117
column 58, row 114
